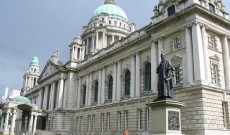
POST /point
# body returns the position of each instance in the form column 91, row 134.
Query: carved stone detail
column 173, row 120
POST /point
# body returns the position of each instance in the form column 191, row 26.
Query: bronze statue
column 165, row 84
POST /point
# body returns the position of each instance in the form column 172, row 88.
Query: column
column 206, row 57
column 31, row 124
column 13, row 121
column 90, row 89
column 119, row 80
column 23, row 122
column 82, row 53
column 226, row 62
column 103, row 40
column 2, row 122
column 6, row 121
column 160, row 48
column 132, row 93
column 93, row 40
column 51, row 102
column 138, row 75
column 113, row 39
column 198, row 57
column 88, row 46
column 44, row 106
column 72, row 53
column 79, row 93
column 114, row 80
column 87, row 91
column 103, row 86
column 97, row 47
column 60, row 93
column 154, row 63
column 188, row 40
column 35, row 124
column 100, row 91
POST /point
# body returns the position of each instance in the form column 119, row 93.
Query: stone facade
column 104, row 90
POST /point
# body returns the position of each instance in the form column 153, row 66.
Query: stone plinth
column 166, row 117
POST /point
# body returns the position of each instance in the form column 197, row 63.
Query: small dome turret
column 22, row 99
column 35, row 61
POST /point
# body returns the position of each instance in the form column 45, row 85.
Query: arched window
column 96, row 92
column 110, row 90
column 127, row 83
column 148, row 77
column 84, row 95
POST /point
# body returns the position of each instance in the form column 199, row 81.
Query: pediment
column 48, row 70
column 215, row 57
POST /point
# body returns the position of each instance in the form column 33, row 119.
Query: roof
column 22, row 99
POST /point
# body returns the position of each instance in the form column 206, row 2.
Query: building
column 10, row 94
column 110, row 76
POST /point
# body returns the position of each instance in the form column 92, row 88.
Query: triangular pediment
column 215, row 57
column 49, row 70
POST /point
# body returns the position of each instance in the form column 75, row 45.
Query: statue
column 165, row 83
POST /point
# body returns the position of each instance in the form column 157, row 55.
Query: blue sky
column 39, row 27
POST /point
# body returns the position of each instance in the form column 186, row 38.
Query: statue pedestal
column 166, row 117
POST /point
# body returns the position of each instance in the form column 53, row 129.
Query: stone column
column 88, row 48
column 119, row 80
column 133, row 67
column 226, row 61
column 6, row 121
column 82, row 53
column 206, row 57
column 160, row 47
column 93, row 47
column 13, row 121
column 31, row 124
column 103, row 40
column 113, row 39
column 100, row 91
column 90, row 89
column 138, row 75
column 103, row 86
column 2, row 122
column 87, row 91
column 60, row 93
column 35, row 124
column 51, row 102
column 45, row 99
column 198, row 56
column 72, row 53
column 97, row 46
column 23, row 126
column 154, row 63
column 114, row 81
column 79, row 93
column 188, row 39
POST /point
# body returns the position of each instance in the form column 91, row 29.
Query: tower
column 31, row 76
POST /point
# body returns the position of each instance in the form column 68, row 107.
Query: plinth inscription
column 173, row 120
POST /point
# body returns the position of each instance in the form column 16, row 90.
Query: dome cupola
column 111, row 9
column 22, row 99
column 35, row 61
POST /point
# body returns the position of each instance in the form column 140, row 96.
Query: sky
column 39, row 27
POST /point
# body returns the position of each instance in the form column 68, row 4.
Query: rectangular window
column 108, row 121
column 80, row 123
column 224, row 105
column 176, row 43
column 211, row 8
column 171, row 10
column 140, row 119
column 147, row 119
column 126, row 120
column 212, row 43
column 88, row 123
column 177, row 74
column 93, row 122
column 102, row 122
column 215, row 74
column 119, row 119
column 77, row 123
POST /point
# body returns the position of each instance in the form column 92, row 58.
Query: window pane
column 110, row 92
column 84, row 94
column 171, row 10
column 148, row 77
column 127, row 83
column 96, row 92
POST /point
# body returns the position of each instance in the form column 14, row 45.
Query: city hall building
column 110, row 76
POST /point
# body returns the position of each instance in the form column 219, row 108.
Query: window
column 126, row 120
column 108, row 121
column 140, row 119
column 127, row 83
column 171, row 10
column 84, row 95
column 88, row 123
column 93, row 122
column 96, row 92
column 109, row 22
column 211, row 8
column 212, row 42
column 80, row 123
column 215, row 74
column 148, row 77
column 110, row 90
column 147, row 118
column 119, row 119
column 102, row 122
column 175, row 43
column 177, row 71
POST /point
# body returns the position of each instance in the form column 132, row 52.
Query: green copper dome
column 22, row 99
column 112, row 10
column 35, row 62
